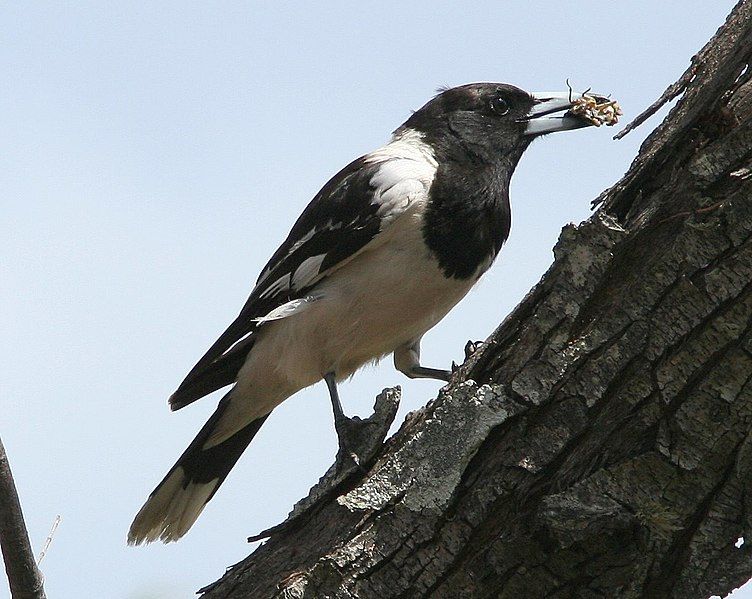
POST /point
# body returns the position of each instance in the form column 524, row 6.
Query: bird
column 386, row 248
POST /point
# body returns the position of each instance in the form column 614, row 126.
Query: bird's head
column 496, row 121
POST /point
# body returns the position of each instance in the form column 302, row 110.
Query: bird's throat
column 468, row 218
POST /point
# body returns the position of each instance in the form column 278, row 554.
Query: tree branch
column 598, row 444
column 24, row 577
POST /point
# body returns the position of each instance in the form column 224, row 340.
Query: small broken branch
column 671, row 92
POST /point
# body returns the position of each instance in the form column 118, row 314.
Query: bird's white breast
column 387, row 295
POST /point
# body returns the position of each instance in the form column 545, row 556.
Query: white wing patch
column 395, row 200
column 327, row 226
column 288, row 309
column 406, row 168
column 281, row 284
column 307, row 271
column 405, row 174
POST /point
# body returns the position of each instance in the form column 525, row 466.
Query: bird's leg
column 347, row 428
column 334, row 396
column 423, row 372
column 407, row 361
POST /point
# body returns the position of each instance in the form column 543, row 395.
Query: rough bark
column 598, row 445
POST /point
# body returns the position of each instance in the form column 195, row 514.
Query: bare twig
column 699, row 63
column 24, row 577
column 671, row 92
column 48, row 541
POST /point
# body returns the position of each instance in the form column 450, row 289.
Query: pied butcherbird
column 387, row 247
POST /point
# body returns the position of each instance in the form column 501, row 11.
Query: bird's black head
column 477, row 134
column 478, row 121
column 492, row 122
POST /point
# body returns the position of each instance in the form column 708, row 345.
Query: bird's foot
column 471, row 347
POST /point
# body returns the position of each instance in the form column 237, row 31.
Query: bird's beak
column 553, row 112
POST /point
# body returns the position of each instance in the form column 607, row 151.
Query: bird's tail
column 174, row 505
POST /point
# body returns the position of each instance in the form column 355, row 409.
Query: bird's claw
column 471, row 347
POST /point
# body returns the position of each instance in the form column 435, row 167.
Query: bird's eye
column 499, row 106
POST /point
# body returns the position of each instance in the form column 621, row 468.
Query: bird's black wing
column 340, row 221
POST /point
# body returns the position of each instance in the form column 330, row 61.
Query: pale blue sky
column 154, row 156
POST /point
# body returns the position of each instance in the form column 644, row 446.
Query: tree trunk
column 598, row 445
